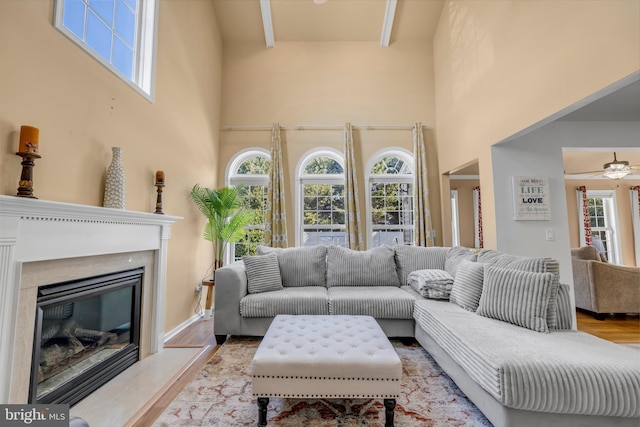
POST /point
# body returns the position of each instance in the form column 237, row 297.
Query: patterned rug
column 220, row 395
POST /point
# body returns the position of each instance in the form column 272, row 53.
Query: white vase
column 114, row 188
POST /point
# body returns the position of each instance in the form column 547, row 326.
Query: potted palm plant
column 226, row 221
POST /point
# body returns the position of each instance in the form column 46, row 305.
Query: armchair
column 602, row 288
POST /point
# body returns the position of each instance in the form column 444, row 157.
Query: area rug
column 220, row 395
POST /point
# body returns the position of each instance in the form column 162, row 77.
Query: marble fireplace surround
column 44, row 242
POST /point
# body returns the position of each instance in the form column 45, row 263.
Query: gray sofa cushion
column 300, row 266
column 467, row 285
column 381, row 302
column 375, row 267
column 560, row 372
column 412, row 258
column 434, row 284
column 455, row 256
column 518, row 297
column 263, row 273
column 299, row 300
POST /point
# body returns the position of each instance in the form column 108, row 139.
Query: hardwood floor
column 618, row 329
column 622, row 330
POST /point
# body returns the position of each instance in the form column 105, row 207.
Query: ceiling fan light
column 617, row 173
column 319, row 1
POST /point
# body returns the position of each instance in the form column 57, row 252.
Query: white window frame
column 455, row 219
column 302, row 179
column 407, row 157
column 144, row 62
column 233, row 178
column 610, row 206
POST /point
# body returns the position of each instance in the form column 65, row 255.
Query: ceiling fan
column 616, row 169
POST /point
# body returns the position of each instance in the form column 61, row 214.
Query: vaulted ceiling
column 333, row 20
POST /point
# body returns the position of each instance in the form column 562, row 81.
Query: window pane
column 310, row 203
column 323, row 166
column 122, row 58
column 73, row 18
column 319, row 236
column 392, row 237
column 254, row 166
column 104, row 8
column 99, row 36
column 125, row 23
column 389, row 165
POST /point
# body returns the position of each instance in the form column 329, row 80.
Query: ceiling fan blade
column 597, row 172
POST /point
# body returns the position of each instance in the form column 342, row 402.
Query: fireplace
column 44, row 243
column 86, row 332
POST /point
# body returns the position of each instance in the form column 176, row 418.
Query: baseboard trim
column 181, row 327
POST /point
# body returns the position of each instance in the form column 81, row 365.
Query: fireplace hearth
column 87, row 331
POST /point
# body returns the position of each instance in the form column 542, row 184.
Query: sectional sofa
column 498, row 324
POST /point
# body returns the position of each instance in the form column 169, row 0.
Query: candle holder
column 25, row 188
column 159, row 198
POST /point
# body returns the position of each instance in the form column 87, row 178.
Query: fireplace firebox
column 87, row 331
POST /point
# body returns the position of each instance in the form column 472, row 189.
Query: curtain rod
column 323, row 127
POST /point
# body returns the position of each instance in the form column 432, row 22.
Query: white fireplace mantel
column 40, row 230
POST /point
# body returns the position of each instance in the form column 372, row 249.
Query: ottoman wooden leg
column 262, row 411
column 389, row 405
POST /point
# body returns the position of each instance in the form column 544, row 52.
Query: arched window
column 390, row 198
column 251, row 169
column 320, row 215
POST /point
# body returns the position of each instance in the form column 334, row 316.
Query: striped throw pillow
column 263, row 273
column 455, row 256
column 467, row 285
column 517, row 297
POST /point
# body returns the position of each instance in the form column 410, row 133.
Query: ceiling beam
column 267, row 23
column 387, row 23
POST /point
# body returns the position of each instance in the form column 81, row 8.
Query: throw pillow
column 434, row 284
column 375, row 267
column 411, row 258
column 535, row 265
column 517, row 297
column 455, row 256
column 300, row 266
column 263, row 273
column 467, row 285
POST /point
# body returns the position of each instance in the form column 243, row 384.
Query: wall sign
column 531, row 198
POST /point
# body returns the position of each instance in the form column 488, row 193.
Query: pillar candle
column 159, row 177
column 28, row 139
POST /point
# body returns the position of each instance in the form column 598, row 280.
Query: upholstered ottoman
column 326, row 357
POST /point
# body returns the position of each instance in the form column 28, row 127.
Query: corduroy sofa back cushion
column 375, row 267
column 300, row 266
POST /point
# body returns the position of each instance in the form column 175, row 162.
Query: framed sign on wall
column 531, row 198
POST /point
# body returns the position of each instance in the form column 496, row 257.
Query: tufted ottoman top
column 326, row 347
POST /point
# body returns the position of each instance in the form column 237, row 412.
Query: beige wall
column 83, row 110
column 328, row 83
column 623, row 202
column 501, row 66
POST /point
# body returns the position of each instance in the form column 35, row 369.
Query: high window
column 120, row 34
column 603, row 219
column 321, row 215
column 251, row 169
column 390, row 198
